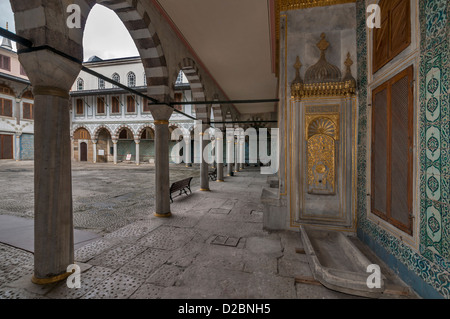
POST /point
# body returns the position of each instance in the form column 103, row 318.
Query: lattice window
column 131, row 79
column 392, row 156
column 116, row 77
column 80, row 84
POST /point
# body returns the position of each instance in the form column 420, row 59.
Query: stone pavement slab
column 214, row 246
column 19, row 232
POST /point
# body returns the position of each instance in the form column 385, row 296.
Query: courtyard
column 214, row 246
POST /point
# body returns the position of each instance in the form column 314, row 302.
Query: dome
column 322, row 71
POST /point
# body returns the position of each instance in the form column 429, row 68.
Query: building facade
column 16, row 107
column 110, row 124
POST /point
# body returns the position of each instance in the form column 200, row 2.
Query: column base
column 50, row 280
column 219, row 181
column 205, row 190
column 167, row 215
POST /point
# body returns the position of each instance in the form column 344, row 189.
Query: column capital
column 94, row 141
column 161, row 122
column 51, row 90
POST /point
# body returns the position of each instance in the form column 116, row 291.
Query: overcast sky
column 105, row 35
column 6, row 15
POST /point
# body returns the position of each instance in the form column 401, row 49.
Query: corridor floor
column 213, row 247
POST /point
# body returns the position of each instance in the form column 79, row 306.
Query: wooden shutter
column 130, row 104
column 80, row 107
column 400, row 20
column 394, row 36
column 115, row 105
column 27, row 111
column 146, row 107
column 6, row 147
column 5, row 107
column 100, row 105
column 5, row 62
column 392, row 143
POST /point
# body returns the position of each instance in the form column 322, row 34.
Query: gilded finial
column 6, row 25
column 323, row 44
column 348, row 73
column 298, row 65
column 348, row 62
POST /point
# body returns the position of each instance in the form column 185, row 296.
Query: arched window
column 80, row 84
column 101, row 84
column 131, row 79
column 116, row 77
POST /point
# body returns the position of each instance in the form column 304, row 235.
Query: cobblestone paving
column 106, row 197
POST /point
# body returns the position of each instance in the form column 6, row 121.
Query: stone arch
column 98, row 129
column 142, row 129
column 144, row 35
column 190, row 69
column 70, row 40
column 81, row 126
column 120, row 128
column 7, row 89
column 192, row 73
column 217, row 112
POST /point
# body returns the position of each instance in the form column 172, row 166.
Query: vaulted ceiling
column 233, row 40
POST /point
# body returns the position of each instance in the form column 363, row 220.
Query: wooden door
column 83, row 152
column 6, row 147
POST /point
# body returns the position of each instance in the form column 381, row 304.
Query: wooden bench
column 213, row 175
column 181, row 186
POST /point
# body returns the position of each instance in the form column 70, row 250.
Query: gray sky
column 6, row 15
column 105, row 35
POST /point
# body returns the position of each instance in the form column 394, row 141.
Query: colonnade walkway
column 213, row 246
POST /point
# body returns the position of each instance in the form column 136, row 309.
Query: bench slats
column 181, row 186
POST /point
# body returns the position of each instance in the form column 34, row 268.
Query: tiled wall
column 427, row 270
column 26, row 147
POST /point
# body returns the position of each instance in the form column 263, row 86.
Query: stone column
column 51, row 77
column 17, row 140
column 242, row 152
column 230, row 156
column 17, row 110
column 94, row 150
column 162, row 180
column 236, row 156
column 204, row 166
column 219, row 158
column 115, row 141
column 137, row 141
column 187, row 150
